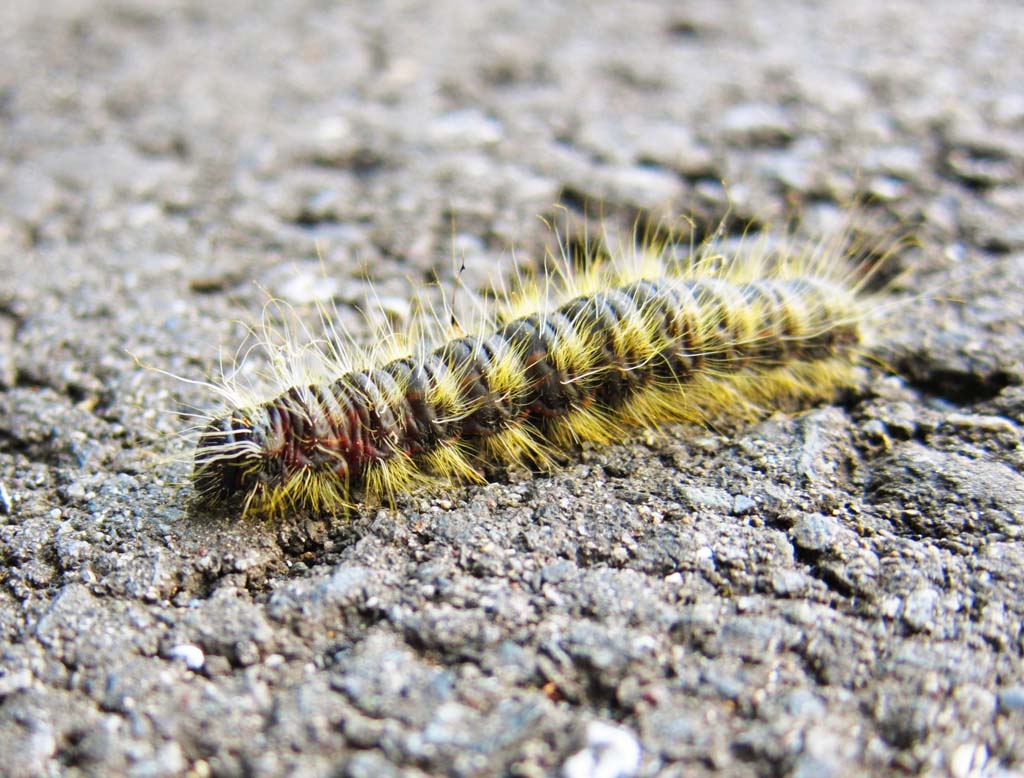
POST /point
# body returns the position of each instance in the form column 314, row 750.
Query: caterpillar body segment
column 593, row 356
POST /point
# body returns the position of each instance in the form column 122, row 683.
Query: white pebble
column 191, row 654
column 610, row 752
column 968, row 761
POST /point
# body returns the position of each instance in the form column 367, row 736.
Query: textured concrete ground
column 827, row 594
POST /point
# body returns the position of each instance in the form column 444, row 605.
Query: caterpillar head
column 233, row 459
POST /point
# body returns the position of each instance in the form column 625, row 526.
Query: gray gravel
column 832, row 593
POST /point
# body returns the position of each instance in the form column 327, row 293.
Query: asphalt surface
column 834, row 592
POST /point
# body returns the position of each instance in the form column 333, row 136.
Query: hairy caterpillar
column 638, row 340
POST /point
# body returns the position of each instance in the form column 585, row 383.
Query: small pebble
column 191, row 654
column 1011, row 699
column 919, row 608
column 610, row 752
column 814, row 532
